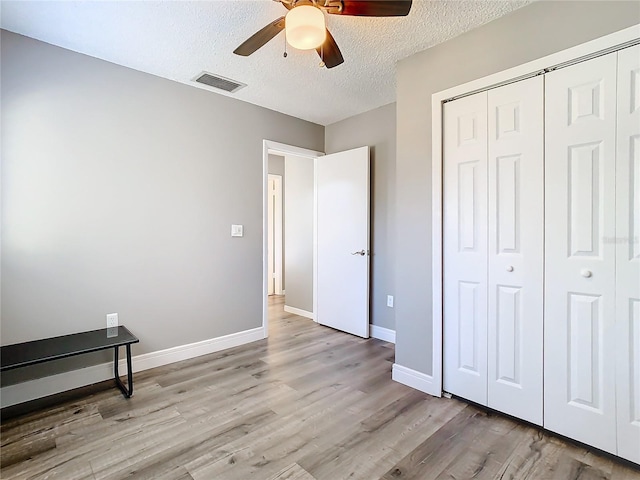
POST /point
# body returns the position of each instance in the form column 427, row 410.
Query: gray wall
column 119, row 189
column 298, row 231
column 276, row 167
column 532, row 32
column 377, row 129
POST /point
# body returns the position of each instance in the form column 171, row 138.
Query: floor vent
column 221, row 83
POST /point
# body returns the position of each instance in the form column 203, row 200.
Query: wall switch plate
column 390, row 301
column 237, row 230
column 112, row 320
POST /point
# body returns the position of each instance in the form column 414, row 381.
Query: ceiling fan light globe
column 305, row 27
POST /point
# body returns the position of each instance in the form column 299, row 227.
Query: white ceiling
column 180, row 39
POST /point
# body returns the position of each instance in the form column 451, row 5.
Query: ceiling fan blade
column 260, row 38
column 376, row 8
column 330, row 53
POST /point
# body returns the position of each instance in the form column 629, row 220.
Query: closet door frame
column 432, row 384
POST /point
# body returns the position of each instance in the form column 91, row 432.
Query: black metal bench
column 40, row 351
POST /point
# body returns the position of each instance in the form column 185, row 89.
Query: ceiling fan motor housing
column 332, row 7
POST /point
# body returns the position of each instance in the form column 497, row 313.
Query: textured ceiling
column 180, row 39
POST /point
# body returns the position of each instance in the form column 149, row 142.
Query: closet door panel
column 465, row 247
column 579, row 340
column 515, row 248
column 627, row 242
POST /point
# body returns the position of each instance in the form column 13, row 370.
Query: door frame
column 277, row 148
column 277, row 233
column 432, row 384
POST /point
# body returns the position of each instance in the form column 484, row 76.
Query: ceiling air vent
column 216, row 81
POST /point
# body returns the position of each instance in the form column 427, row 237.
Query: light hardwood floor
column 308, row 403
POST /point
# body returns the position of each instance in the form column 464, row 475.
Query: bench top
column 39, row 351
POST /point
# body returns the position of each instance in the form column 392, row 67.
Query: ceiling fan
column 310, row 32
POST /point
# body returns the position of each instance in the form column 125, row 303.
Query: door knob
column 585, row 273
column 510, row 268
column 361, row 253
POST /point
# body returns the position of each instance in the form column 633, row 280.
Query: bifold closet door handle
column 585, row 273
column 361, row 253
column 510, row 268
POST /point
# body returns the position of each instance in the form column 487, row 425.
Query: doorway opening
column 289, row 245
column 326, row 215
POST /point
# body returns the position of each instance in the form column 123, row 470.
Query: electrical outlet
column 112, row 320
column 390, row 301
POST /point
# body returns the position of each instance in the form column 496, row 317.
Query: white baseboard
column 42, row 387
column 414, row 379
column 382, row 333
column 299, row 311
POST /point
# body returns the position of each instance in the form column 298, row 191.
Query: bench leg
column 126, row 391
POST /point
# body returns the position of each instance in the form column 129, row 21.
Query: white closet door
column 465, row 247
column 627, row 240
column 516, row 240
column 579, row 343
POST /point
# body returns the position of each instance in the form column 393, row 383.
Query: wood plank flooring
column 309, row 403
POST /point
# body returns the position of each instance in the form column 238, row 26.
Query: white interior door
column 516, row 240
column 627, row 242
column 342, row 241
column 579, row 343
column 465, row 247
column 278, row 234
column 270, row 237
